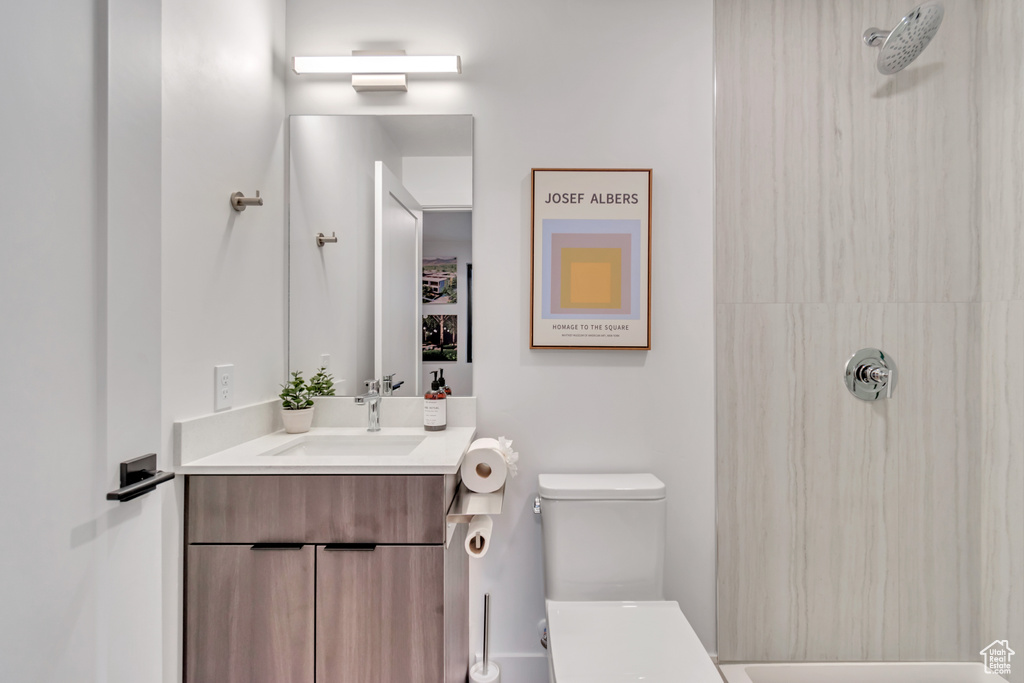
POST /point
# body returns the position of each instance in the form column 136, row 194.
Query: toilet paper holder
column 467, row 504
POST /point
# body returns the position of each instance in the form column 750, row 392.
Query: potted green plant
column 297, row 399
column 296, row 405
column 321, row 384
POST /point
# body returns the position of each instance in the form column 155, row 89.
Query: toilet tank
column 604, row 536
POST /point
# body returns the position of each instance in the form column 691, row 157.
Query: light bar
column 378, row 64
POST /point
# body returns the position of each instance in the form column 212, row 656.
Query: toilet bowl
column 603, row 574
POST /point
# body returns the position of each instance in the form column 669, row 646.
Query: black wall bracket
column 139, row 476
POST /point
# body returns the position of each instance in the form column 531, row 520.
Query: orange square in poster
column 591, row 278
column 590, row 283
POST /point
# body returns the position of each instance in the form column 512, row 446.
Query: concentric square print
column 591, row 268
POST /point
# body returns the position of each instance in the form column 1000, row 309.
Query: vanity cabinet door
column 380, row 614
column 249, row 613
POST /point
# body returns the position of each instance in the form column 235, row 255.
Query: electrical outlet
column 325, row 361
column 223, row 386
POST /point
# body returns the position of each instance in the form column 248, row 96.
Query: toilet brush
column 486, row 671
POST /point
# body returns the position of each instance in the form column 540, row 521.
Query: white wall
column 331, row 191
column 588, row 84
column 439, row 229
column 224, row 277
column 224, row 272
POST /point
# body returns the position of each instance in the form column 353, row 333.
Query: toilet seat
column 620, row 642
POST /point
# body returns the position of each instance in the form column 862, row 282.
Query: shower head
column 911, row 36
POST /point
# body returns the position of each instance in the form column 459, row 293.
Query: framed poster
column 440, row 280
column 590, row 274
column 440, row 338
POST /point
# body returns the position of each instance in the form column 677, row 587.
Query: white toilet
column 604, row 552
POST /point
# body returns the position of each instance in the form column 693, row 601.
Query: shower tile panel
column 928, row 115
column 804, row 198
column 1001, row 160
column 939, row 431
column 1002, row 477
column 808, row 493
column 836, row 184
column 1001, row 149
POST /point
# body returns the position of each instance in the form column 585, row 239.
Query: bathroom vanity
column 307, row 567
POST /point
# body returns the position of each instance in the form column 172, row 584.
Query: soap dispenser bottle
column 444, row 384
column 435, row 407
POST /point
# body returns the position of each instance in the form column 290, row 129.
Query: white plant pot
column 297, row 421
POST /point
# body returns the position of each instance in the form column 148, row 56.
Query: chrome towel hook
column 239, row 201
column 322, row 239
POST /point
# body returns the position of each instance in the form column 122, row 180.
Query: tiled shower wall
column 854, row 210
column 1001, row 183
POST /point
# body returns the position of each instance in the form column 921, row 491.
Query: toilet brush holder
column 486, row 671
column 477, row 675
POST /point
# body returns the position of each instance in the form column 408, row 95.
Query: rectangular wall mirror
column 393, row 293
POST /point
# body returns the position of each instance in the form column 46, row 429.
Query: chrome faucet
column 371, row 399
column 388, row 385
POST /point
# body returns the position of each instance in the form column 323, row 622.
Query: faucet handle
column 890, row 381
column 373, row 385
column 387, row 385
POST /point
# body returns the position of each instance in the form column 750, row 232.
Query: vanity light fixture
column 378, row 71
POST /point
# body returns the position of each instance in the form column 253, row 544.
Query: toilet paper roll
column 484, row 469
column 478, row 536
column 477, row 675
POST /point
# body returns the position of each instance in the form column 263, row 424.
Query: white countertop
column 438, row 453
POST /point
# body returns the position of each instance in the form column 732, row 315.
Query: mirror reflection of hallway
column 448, row 254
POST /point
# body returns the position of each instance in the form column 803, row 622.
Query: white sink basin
column 368, row 445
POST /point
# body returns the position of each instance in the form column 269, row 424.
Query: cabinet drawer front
column 316, row 509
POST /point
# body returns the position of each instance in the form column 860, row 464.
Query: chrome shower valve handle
column 875, row 374
column 869, row 372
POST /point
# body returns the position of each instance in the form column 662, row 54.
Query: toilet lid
column 616, row 642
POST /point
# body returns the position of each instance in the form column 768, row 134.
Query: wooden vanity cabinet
column 287, row 582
